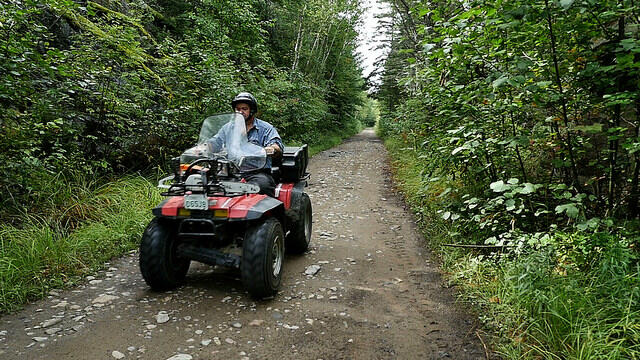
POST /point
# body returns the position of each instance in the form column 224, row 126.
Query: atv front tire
column 300, row 235
column 263, row 258
column 161, row 268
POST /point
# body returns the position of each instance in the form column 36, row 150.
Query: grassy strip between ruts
column 538, row 305
column 95, row 225
column 85, row 225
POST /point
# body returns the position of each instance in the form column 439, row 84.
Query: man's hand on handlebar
column 273, row 149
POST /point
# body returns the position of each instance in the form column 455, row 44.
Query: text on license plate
column 196, row 202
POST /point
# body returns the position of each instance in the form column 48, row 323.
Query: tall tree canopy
column 108, row 86
column 534, row 106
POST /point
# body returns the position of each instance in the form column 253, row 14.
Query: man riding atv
column 260, row 133
column 211, row 215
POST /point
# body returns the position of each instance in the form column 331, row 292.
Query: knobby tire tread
column 153, row 263
column 256, row 265
column 297, row 242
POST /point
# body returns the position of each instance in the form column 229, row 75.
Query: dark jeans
column 264, row 180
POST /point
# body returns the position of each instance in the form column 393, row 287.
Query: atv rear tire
column 300, row 235
column 263, row 258
column 161, row 268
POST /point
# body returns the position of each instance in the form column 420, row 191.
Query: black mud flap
column 266, row 206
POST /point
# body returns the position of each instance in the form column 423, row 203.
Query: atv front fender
column 264, row 207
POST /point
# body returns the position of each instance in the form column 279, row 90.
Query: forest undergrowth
column 574, row 295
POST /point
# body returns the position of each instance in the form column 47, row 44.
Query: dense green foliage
column 110, row 87
column 57, row 249
column 92, row 91
column 369, row 113
column 524, row 118
column 575, row 297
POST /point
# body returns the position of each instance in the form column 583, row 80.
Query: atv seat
column 292, row 166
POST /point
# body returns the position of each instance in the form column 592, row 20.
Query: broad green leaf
column 591, row 129
column 566, row 3
column 570, row 209
column 499, row 186
column 458, row 149
column 428, row 47
column 528, row 188
column 499, row 82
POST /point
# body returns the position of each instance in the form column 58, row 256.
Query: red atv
column 213, row 216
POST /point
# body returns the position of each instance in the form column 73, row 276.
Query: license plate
column 196, row 202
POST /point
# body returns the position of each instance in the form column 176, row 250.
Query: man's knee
column 264, row 181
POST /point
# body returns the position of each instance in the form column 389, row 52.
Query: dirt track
column 378, row 295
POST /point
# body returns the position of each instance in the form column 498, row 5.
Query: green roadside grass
column 79, row 226
column 92, row 226
column 542, row 304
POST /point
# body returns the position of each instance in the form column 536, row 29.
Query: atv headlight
column 194, row 183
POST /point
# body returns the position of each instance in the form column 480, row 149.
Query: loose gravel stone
column 52, row 331
column 117, row 354
column 312, row 269
column 162, row 317
column 39, row 338
column 104, row 298
column 181, row 357
column 51, row 322
column 61, row 304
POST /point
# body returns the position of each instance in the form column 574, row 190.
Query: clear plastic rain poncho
column 225, row 135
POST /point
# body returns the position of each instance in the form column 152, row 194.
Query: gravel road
column 375, row 293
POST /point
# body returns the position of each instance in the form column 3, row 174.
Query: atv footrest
column 208, row 256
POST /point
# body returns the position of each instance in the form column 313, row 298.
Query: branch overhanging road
column 377, row 294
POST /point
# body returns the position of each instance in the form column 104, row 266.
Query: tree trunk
column 296, row 49
column 569, row 142
column 634, row 196
column 613, row 144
